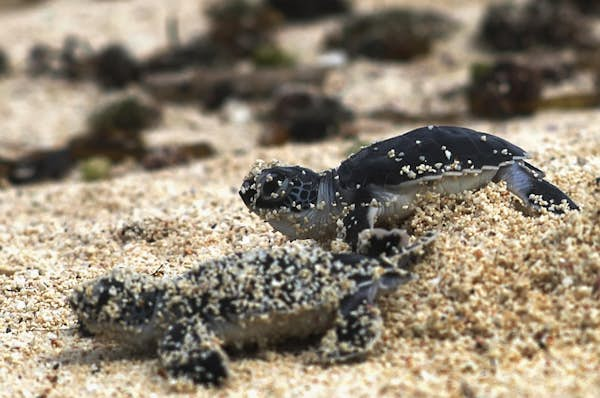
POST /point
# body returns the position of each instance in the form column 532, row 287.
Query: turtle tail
column 527, row 183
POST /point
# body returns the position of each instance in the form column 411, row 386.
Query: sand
column 506, row 304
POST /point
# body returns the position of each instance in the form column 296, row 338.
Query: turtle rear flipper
column 190, row 350
column 535, row 192
column 357, row 329
column 373, row 242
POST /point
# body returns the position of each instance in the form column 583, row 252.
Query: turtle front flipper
column 377, row 241
column 354, row 334
column 527, row 183
column 188, row 349
column 358, row 216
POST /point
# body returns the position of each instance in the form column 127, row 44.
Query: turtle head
column 118, row 305
column 292, row 188
column 287, row 198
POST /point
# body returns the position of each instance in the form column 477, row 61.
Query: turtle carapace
column 381, row 182
column 256, row 298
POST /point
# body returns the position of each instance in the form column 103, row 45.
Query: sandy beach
column 506, row 304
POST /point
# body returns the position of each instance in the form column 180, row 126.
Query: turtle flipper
column 376, row 241
column 358, row 217
column 532, row 189
column 356, row 331
column 188, row 349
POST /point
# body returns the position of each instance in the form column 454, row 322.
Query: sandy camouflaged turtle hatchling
column 259, row 297
column 380, row 182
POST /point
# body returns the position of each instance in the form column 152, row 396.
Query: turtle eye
column 270, row 188
column 274, row 187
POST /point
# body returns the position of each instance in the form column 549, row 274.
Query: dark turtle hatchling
column 259, row 297
column 381, row 182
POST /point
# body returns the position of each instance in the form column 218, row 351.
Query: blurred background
column 93, row 89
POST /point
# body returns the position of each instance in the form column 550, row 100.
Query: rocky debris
column 392, row 34
column 241, row 26
column 41, row 60
column 304, row 114
column 115, row 67
column 394, row 114
column 72, row 61
column 4, row 63
column 168, row 156
column 213, row 87
column 585, row 6
column 238, row 29
column 309, row 9
column 129, row 114
column 39, row 166
column 114, row 134
column 114, row 130
column 112, row 67
column 554, row 67
column 199, row 51
column 549, row 23
column 523, row 84
column 75, row 58
column 18, row 3
column 504, row 89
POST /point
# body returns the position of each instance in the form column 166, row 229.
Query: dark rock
column 4, row 63
column 76, row 58
column 129, row 114
column 309, row 9
column 159, row 158
column 18, row 3
column 73, row 61
column 112, row 67
column 304, row 115
column 393, row 34
column 555, row 72
column 553, row 66
column 41, row 166
column 114, row 131
column 585, row 6
column 550, row 23
column 504, row 89
column 218, row 94
column 115, row 67
column 41, row 60
column 239, row 27
column 199, row 51
column 212, row 87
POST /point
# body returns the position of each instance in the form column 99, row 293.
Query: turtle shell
column 426, row 153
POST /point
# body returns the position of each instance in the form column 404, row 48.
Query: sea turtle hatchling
column 258, row 297
column 380, row 182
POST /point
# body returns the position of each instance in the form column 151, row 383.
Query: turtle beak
column 248, row 193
